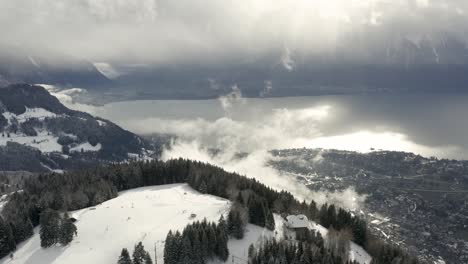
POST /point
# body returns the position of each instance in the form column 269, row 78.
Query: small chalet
column 298, row 223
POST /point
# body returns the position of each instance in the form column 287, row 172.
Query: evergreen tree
column 50, row 227
column 169, row 257
column 124, row 257
column 235, row 223
column 251, row 251
column 222, row 225
column 323, row 216
column 203, row 188
column 222, row 250
column 139, row 254
column 7, row 242
column 269, row 221
column 186, row 251
column 148, row 259
column 359, row 230
column 67, row 230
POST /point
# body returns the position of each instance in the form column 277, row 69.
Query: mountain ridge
column 32, row 119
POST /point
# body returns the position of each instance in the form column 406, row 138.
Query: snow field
column 39, row 113
column 43, row 141
column 147, row 214
column 144, row 214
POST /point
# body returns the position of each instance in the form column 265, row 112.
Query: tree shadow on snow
column 45, row 256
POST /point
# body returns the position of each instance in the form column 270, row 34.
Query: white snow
column 52, row 170
column 297, row 221
column 145, row 155
column 101, row 123
column 107, row 70
column 72, row 136
column 144, row 214
column 238, row 249
column 147, row 214
column 44, row 141
column 3, row 201
column 357, row 253
column 86, row 147
column 39, row 113
column 322, row 230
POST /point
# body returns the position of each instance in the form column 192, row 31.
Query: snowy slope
column 44, row 141
column 356, row 252
column 238, row 249
column 144, row 214
column 147, row 214
column 37, row 113
column 254, row 235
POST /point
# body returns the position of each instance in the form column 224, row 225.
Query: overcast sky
column 190, row 30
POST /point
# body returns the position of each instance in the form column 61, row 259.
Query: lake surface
column 431, row 125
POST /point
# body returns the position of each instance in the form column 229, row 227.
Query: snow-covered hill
column 146, row 214
column 32, row 119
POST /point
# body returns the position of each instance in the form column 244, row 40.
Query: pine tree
column 139, row 254
column 269, row 221
column 251, row 251
column 203, row 187
column 222, row 250
column 199, row 252
column 186, row 251
column 235, row 223
column 148, row 259
column 124, row 257
column 168, row 249
column 67, row 230
column 239, row 228
column 22, row 228
column 50, row 227
column 359, row 229
column 323, row 216
column 7, row 243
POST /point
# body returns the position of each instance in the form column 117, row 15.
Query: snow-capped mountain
column 36, row 127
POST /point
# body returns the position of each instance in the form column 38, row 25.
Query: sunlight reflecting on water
column 427, row 125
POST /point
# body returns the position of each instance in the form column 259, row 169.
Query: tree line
column 255, row 202
column 139, row 256
column 56, row 228
column 198, row 243
column 308, row 251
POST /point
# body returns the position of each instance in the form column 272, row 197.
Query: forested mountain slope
column 38, row 133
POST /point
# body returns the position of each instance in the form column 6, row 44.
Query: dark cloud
column 211, row 30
